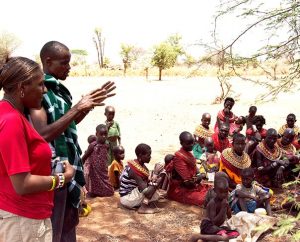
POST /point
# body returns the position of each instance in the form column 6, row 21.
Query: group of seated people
column 221, row 169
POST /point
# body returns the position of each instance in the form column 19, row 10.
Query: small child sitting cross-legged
column 248, row 196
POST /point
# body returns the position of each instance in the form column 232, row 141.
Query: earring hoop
column 22, row 94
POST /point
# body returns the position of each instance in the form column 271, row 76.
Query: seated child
column 248, row 196
column 136, row 189
column 116, row 167
column 211, row 193
column 209, row 159
column 217, row 211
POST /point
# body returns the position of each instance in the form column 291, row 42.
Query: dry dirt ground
column 155, row 113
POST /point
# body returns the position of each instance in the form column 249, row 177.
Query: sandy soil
column 156, row 113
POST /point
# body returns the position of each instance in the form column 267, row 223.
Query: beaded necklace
column 273, row 154
column 240, row 162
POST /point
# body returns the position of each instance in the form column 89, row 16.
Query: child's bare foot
column 147, row 210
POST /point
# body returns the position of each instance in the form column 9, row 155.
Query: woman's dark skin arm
column 27, row 183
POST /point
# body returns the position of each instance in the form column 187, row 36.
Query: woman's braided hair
column 16, row 70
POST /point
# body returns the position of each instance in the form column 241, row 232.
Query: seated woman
column 266, row 161
column 234, row 160
column 186, row 187
column 290, row 123
column 136, row 191
column 202, row 131
column 289, row 157
column 226, row 116
column 257, row 129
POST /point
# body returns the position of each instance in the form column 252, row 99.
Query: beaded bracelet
column 53, row 183
column 61, row 180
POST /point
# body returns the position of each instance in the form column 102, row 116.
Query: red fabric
column 97, row 182
column 195, row 196
column 22, row 149
column 137, row 171
column 221, row 117
column 220, row 145
column 296, row 144
column 263, row 133
column 184, row 164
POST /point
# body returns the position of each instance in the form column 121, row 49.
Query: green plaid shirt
column 57, row 101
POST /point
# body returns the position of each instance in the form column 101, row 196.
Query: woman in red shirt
column 26, row 197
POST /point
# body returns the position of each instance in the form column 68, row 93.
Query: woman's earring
column 22, row 94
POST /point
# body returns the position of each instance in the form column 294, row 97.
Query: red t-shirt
column 22, row 149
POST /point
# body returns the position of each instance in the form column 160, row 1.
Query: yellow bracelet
column 53, row 183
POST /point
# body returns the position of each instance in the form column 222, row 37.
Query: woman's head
column 187, row 141
column 23, row 80
column 143, row 153
column 259, row 121
column 252, row 111
column 288, row 136
column 271, row 138
column 239, row 143
column 228, row 103
column 291, row 120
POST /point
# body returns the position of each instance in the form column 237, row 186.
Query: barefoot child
column 217, row 211
column 248, row 196
column 116, row 167
column 97, row 183
column 114, row 133
column 136, row 191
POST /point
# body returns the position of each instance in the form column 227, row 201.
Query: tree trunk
column 160, row 71
column 98, row 52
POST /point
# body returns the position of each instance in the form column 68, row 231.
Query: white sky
column 139, row 22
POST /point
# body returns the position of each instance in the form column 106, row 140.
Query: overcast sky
column 139, row 22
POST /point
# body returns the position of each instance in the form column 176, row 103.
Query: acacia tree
column 8, row 43
column 79, row 58
column 166, row 53
column 128, row 55
column 279, row 21
column 99, row 42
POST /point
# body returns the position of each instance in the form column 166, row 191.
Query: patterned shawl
column 138, row 169
column 57, row 101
